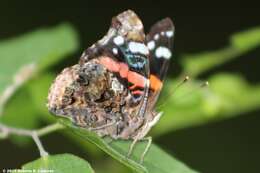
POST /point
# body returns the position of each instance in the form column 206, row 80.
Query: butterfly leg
column 141, row 135
column 148, row 145
column 130, row 151
column 149, row 142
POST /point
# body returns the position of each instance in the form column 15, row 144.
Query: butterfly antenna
column 173, row 91
column 203, row 85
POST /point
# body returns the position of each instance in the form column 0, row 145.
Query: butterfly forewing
column 159, row 41
column 124, row 52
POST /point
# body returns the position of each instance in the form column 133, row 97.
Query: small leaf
column 61, row 163
column 155, row 161
column 196, row 64
column 235, row 95
column 22, row 56
column 242, row 42
column 246, row 40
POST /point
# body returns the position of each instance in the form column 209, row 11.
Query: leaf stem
column 34, row 134
column 49, row 129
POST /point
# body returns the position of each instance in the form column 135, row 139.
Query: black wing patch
column 160, row 42
column 125, row 42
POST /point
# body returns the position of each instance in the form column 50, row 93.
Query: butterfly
column 114, row 88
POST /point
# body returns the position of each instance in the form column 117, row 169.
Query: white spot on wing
column 115, row 51
column 163, row 52
column 162, row 33
column 118, row 40
column 151, row 45
column 136, row 47
column 156, row 36
column 169, row 33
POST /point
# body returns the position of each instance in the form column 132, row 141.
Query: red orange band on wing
column 155, row 83
column 137, row 92
column 135, row 78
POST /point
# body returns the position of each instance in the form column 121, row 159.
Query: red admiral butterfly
column 114, row 88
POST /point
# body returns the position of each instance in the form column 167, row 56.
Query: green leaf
column 234, row 95
column 247, row 40
column 61, row 163
column 23, row 56
column 227, row 96
column 242, row 42
column 155, row 161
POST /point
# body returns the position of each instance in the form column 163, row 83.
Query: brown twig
column 5, row 131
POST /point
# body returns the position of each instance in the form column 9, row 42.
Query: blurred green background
column 200, row 140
